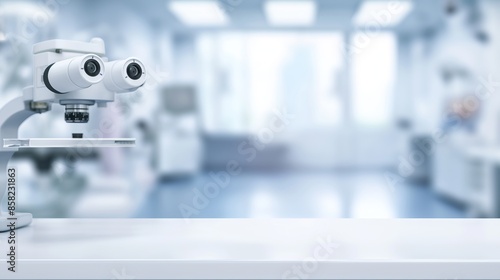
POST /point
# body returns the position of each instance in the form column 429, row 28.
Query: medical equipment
column 178, row 138
column 75, row 75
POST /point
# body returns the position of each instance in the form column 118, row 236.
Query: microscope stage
column 69, row 142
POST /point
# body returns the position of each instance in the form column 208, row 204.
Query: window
column 372, row 77
column 246, row 76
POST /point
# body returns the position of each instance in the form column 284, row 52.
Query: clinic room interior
column 270, row 109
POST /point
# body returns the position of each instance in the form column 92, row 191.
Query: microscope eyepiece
column 74, row 73
column 92, row 67
column 134, row 71
column 125, row 75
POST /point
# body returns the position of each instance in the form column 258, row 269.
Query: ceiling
column 249, row 15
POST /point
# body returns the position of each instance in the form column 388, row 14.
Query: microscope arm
column 12, row 115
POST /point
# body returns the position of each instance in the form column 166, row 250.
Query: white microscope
column 75, row 75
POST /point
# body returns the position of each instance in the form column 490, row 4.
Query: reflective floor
column 295, row 195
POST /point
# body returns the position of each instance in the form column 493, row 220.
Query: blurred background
column 271, row 108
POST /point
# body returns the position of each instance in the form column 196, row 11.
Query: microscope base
column 20, row 220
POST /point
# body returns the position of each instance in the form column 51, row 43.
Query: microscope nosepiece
column 76, row 113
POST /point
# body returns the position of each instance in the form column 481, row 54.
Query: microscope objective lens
column 77, row 113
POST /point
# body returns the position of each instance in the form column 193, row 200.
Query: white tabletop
column 256, row 249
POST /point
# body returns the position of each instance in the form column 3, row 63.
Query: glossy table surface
column 255, row 249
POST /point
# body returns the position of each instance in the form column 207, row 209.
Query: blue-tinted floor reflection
column 296, row 195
